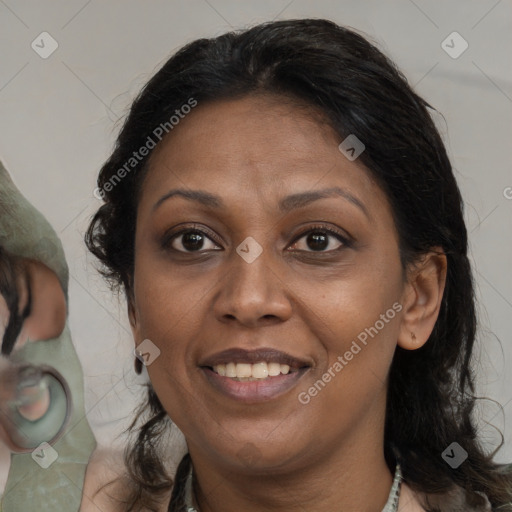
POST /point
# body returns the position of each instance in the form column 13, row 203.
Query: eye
column 320, row 239
column 190, row 240
column 316, row 239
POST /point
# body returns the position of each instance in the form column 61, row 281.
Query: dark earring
column 138, row 366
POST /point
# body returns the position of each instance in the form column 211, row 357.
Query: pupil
column 192, row 241
column 317, row 241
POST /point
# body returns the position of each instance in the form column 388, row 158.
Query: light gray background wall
column 58, row 122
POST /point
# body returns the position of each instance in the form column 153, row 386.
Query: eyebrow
column 286, row 204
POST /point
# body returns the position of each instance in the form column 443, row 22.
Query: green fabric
column 25, row 232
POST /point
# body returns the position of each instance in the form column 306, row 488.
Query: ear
column 132, row 314
column 423, row 296
column 48, row 311
column 134, row 324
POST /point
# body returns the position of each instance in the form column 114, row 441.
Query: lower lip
column 255, row 390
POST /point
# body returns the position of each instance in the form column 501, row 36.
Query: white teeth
column 259, row 371
column 230, row 370
column 274, row 369
column 243, row 370
column 246, row 371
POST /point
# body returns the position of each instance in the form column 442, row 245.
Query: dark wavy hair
column 338, row 72
column 10, row 269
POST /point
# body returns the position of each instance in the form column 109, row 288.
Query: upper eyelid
column 345, row 239
column 205, row 231
column 169, row 238
column 320, row 227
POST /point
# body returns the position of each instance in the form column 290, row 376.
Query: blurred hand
column 32, row 308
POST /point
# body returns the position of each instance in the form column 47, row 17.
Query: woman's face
column 278, row 251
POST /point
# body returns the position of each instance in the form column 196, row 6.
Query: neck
column 353, row 477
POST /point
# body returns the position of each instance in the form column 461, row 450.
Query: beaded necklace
column 390, row 506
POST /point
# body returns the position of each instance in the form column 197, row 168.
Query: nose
column 252, row 293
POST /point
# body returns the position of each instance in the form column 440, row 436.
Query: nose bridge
column 251, row 270
column 251, row 288
column 252, row 264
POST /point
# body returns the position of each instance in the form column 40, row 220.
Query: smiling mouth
column 246, row 372
column 253, row 376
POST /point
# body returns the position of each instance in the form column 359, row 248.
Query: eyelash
column 168, row 239
column 329, row 231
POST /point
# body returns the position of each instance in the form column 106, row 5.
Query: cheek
column 167, row 304
column 356, row 321
column 169, row 324
column 352, row 378
column 349, row 307
column 169, row 314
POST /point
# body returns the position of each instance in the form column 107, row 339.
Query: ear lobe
column 132, row 314
column 424, row 294
column 48, row 309
column 134, row 325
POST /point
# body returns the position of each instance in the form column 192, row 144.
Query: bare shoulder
column 409, row 500
column 105, row 482
column 106, row 485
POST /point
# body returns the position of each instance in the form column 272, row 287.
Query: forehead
column 255, row 147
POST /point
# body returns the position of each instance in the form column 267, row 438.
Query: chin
column 258, row 454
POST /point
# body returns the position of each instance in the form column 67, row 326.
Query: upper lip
column 240, row 355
